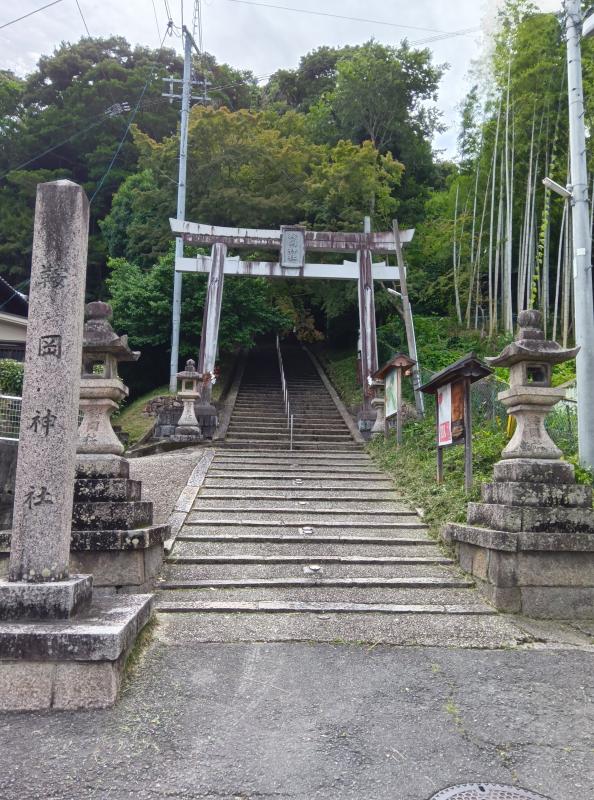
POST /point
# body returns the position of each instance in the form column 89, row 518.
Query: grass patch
column 341, row 368
column 131, row 419
column 413, row 467
column 136, row 654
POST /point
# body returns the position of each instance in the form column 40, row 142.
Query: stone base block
column 124, row 570
column 544, row 495
column 98, row 466
column 125, row 560
column 124, row 514
column 70, row 665
column 539, row 470
column 519, row 577
column 531, row 518
column 186, row 437
column 106, row 489
column 38, row 601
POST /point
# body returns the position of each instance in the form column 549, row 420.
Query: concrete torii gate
column 293, row 242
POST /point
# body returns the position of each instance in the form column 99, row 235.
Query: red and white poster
column 444, row 415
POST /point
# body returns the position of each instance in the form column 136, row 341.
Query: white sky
column 264, row 39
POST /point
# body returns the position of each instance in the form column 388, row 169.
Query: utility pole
column 181, row 206
column 582, row 256
column 408, row 321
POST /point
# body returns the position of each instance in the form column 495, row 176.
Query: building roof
column 12, row 301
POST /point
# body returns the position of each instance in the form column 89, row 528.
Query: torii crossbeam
column 293, row 243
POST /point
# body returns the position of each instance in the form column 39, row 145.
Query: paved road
column 301, row 721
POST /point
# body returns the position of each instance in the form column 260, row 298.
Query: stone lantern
column 113, row 535
column 530, row 397
column 190, row 380
column 530, row 542
column 101, row 389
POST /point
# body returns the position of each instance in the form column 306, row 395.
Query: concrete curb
column 355, row 433
column 185, row 501
column 230, row 400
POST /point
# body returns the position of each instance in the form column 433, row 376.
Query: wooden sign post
column 453, row 410
column 391, row 374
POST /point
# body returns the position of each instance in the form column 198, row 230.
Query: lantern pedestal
column 530, row 542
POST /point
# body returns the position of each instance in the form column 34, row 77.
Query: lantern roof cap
column 99, row 337
column 469, row 366
column 530, row 345
column 190, row 372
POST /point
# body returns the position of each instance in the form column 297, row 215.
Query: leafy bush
column 11, row 376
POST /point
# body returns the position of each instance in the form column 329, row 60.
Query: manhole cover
column 486, row 791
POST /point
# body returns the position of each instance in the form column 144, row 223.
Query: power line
column 354, row 19
column 30, row 14
column 55, row 147
column 156, row 21
column 83, row 19
column 197, row 23
column 131, row 119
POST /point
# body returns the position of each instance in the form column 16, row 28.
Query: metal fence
column 10, row 416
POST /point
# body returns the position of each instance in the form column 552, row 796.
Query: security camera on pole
column 582, row 260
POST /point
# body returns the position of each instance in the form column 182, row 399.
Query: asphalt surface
column 301, row 721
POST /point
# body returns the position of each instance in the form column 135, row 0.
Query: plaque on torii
column 293, row 242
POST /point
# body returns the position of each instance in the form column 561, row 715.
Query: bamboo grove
column 510, row 238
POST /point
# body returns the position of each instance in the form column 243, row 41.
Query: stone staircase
column 259, row 419
column 311, row 544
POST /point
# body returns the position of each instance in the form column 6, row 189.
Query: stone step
column 185, row 570
column 281, row 419
column 188, row 546
column 116, row 489
column 326, row 505
column 299, row 426
column 433, row 593
column 282, row 482
column 238, row 535
column 228, row 461
column 289, row 458
column 316, row 607
column 256, row 435
column 303, row 432
column 424, row 583
column 264, row 446
column 317, row 531
column 244, row 469
column 428, row 630
column 280, row 444
column 295, row 482
column 303, row 517
column 312, row 495
column 186, row 554
column 282, row 468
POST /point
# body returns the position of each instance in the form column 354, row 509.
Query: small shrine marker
column 49, row 418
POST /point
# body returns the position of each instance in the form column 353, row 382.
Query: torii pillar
column 212, row 317
column 367, row 327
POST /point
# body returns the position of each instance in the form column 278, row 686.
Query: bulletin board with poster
column 453, row 411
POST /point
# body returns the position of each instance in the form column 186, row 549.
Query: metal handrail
column 286, row 401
